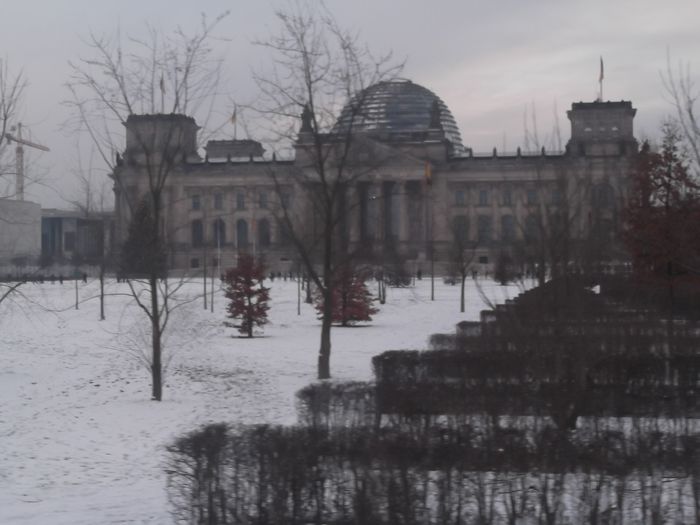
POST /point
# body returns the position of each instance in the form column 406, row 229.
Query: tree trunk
column 204, row 294
column 308, row 299
column 461, row 296
column 324, row 353
column 102, row 291
column 156, row 362
column 156, row 342
column 249, row 318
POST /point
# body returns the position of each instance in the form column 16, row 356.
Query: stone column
column 402, row 196
column 353, row 211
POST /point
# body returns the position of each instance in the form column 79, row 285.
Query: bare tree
column 684, row 94
column 462, row 254
column 12, row 88
column 91, row 201
column 91, row 197
column 117, row 86
column 318, row 67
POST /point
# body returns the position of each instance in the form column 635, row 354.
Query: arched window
column 603, row 196
column 242, row 233
column 507, row 228
column 460, row 228
column 264, row 233
column 240, row 200
column 197, row 233
column 532, row 228
column 484, row 228
column 219, row 230
column 284, row 234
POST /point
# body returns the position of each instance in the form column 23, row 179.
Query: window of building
column 240, row 200
column 483, row 259
column 264, row 233
column 69, row 241
column 194, row 263
column 197, row 233
column 483, row 197
column 603, row 196
column 557, row 196
column 484, row 228
column 507, row 197
column 262, row 199
column 507, row 228
column 285, row 236
column 532, row 196
column 460, row 228
column 286, row 200
column 532, row 228
column 219, row 201
column 196, row 202
column 460, row 198
column 242, row 233
column 219, row 231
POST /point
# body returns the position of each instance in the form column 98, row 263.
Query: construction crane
column 19, row 151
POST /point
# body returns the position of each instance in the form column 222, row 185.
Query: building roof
column 241, row 148
column 399, row 107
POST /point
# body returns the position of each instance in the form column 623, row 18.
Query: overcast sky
column 488, row 60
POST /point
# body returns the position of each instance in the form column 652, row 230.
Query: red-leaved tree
column 352, row 302
column 661, row 214
column 248, row 297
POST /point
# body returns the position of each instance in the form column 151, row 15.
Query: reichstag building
column 415, row 194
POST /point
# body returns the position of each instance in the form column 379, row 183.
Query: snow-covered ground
column 80, row 441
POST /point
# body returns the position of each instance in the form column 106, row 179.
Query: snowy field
column 80, row 441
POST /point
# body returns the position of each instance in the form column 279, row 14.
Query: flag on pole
column 233, row 117
column 162, row 84
column 602, row 76
column 428, row 173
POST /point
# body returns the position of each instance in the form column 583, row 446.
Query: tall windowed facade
column 407, row 208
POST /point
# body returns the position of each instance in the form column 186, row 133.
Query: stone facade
column 414, row 191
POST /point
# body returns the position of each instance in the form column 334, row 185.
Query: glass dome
column 399, row 107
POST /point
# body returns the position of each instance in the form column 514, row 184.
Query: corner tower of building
column 174, row 136
column 602, row 129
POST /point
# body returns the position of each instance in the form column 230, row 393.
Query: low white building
column 20, row 232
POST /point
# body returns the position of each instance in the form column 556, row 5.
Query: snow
column 80, row 441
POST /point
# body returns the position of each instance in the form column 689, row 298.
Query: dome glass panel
column 399, row 107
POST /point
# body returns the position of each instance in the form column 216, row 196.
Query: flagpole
column 235, row 122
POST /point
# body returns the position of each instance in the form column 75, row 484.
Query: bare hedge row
column 414, row 474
